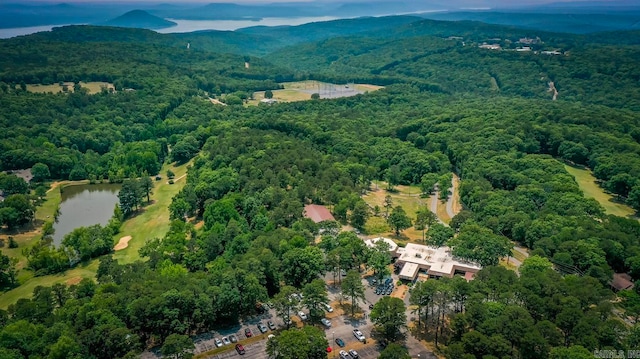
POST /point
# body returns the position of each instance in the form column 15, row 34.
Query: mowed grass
column 590, row 188
column 72, row 276
column 408, row 197
column 92, row 87
column 152, row 221
column 294, row 91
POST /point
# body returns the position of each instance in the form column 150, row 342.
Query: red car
column 240, row 349
column 247, row 333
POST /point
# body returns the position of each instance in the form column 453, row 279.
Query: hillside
column 226, row 232
column 139, row 19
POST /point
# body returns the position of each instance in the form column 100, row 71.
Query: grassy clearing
column 153, row 221
column 590, row 188
column 72, row 276
column 92, row 87
column 442, row 213
column 406, row 196
column 301, row 91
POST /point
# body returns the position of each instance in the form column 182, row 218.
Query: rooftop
column 439, row 261
column 317, row 213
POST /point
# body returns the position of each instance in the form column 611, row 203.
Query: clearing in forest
column 302, row 91
column 406, row 196
column 590, row 188
column 152, row 221
column 92, row 87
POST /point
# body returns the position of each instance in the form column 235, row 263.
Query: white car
column 328, row 308
column 354, row 354
column 302, row 315
column 218, row 342
column 344, row 355
column 358, row 334
column 326, row 322
column 226, row 341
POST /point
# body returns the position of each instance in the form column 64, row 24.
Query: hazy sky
column 479, row 2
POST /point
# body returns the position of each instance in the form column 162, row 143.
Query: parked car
column 340, row 342
column 233, row 338
column 247, row 333
column 218, row 342
column 240, row 349
column 262, row 328
column 358, row 334
column 327, row 307
column 354, row 354
column 344, row 355
column 271, row 325
column 326, row 322
column 302, row 315
column 226, row 341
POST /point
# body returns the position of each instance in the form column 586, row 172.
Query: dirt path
column 216, row 102
column 453, row 204
column 179, row 178
column 552, row 89
column 434, row 207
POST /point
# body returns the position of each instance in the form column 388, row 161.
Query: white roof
column 437, row 261
column 409, row 271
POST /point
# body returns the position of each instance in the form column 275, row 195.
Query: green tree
column 535, row 264
column 353, row 288
column 315, row 96
column 268, row 94
column 572, row 352
column 309, row 342
column 479, row 244
column 286, row 304
column 40, row 172
column 379, row 259
column 12, row 184
column 186, row 148
column 7, row 272
column 16, row 210
column 170, row 174
column 424, row 219
column 399, row 220
column 178, row 347
column 302, row 265
column 394, row 351
column 439, row 234
column 315, row 294
column 428, row 183
column 388, row 204
column 389, row 318
column 360, row 214
column 146, row 185
column 129, row 196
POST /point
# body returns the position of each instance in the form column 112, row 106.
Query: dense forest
column 447, row 106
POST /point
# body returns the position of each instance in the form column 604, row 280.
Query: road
column 434, row 207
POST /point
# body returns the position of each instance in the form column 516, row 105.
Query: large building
column 431, row 261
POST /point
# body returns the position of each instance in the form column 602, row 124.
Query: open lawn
column 72, row 276
column 92, row 87
column 302, row 90
column 153, row 220
column 406, row 196
column 590, row 188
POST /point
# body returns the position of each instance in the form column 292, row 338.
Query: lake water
column 84, row 206
column 230, row 25
column 19, row 31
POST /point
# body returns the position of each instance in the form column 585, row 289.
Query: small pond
column 84, row 206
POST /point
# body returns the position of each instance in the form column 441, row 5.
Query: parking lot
column 341, row 327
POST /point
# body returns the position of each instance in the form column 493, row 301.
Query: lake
column 84, row 206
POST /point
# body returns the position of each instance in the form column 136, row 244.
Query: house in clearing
column 435, row 262
column 621, row 281
column 317, row 213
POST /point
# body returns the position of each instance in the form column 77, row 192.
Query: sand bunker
column 122, row 243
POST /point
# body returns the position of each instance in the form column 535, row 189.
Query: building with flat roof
column 317, row 213
column 435, row 262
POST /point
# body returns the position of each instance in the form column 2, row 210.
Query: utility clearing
column 92, row 87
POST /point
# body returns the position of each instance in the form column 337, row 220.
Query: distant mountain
column 139, row 19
